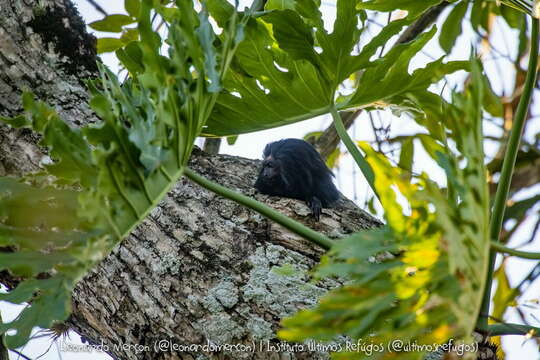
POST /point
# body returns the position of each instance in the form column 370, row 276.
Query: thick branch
column 202, row 268
column 422, row 23
column 212, row 145
column 329, row 140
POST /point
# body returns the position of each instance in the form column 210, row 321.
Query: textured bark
column 200, row 268
column 212, row 145
column 44, row 49
column 204, row 269
column 421, row 24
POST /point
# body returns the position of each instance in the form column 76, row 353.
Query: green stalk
column 512, row 329
column 503, row 188
column 522, row 254
column 262, row 209
column 4, row 355
column 364, row 166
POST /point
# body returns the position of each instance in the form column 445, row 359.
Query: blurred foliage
column 105, row 178
column 488, row 20
column 428, row 287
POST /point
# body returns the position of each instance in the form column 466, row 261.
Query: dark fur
column 293, row 168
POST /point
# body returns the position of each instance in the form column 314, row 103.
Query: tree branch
column 212, row 145
column 329, row 140
column 427, row 18
column 262, row 209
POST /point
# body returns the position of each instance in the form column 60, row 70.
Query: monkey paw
column 316, row 207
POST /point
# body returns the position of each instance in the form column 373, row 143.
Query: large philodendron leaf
column 105, row 178
column 289, row 67
column 421, row 278
column 414, row 8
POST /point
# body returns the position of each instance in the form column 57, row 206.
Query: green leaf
column 523, row 38
column 112, row 23
column 480, row 14
column 293, row 35
column 72, row 154
column 260, row 95
column 129, row 35
column 431, row 145
column 37, row 218
column 518, row 209
column 505, row 295
column 406, row 156
column 231, row 140
column 107, row 44
column 31, row 263
column 279, row 4
column 513, row 18
column 451, row 28
column 492, row 102
column 133, row 7
column 221, row 11
column 397, row 87
column 53, row 303
column 131, row 58
column 271, row 85
column 206, row 38
column 413, row 7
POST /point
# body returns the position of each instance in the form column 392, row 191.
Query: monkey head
column 271, row 179
column 270, row 168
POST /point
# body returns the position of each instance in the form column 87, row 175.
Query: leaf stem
column 3, row 349
column 262, row 209
column 119, row 187
column 364, row 166
column 165, row 173
column 522, row 254
column 503, row 188
column 511, row 329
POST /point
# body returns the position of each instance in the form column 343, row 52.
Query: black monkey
column 293, row 168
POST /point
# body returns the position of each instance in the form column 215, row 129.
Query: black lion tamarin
column 293, row 168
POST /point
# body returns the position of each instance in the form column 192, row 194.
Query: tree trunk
column 43, row 48
column 200, row 270
column 212, row 145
